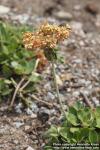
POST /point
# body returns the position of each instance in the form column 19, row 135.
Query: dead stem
column 16, row 90
column 39, row 100
column 85, row 98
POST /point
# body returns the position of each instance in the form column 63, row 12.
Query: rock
column 34, row 107
column 18, row 124
column 22, row 18
column 29, row 111
column 77, row 7
column 76, row 93
column 50, row 96
column 77, row 28
column 43, row 114
column 59, row 81
column 18, row 108
column 97, row 23
column 95, row 101
column 30, row 148
column 66, row 77
column 33, row 116
column 63, row 15
column 77, row 61
column 4, row 9
column 15, row 142
column 27, row 128
column 91, row 8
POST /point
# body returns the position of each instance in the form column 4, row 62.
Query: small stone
column 91, row 8
column 50, row 96
column 34, row 107
column 77, row 7
column 29, row 111
column 97, row 23
column 96, row 101
column 77, row 61
column 76, row 93
column 4, row 9
column 43, row 114
column 59, row 81
column 27, row 128
column 33, row 115
column 22, row 18
column 64, row 15
column 18, row 124
column 15, row 142
column 66, row 77
column 18, row 108
column 30, row 148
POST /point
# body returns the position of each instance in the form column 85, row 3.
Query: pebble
column 96, row 102
column 77, row 7
column 4, row 9
column 43, row 114
column 18, row 108
column 62, row 15
column 30, row 148
column 97, row 23
column 59, row 81
column 50, row 96
column 34, row 107
column 29, row 111
column 76, row 93
column 18, row 124
column 77, row 61
column 91, row 8
column 77, row 28
column 22, row 18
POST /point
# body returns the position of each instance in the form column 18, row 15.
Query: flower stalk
column 57, row 88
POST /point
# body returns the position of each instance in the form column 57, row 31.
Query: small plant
column 16, row 64
column 46, row 38
column 81, row 125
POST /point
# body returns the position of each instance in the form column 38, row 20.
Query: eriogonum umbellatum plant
column 43, row 42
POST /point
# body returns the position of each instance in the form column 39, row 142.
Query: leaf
column 78, row 105
column 35, row 77
column 74, row 130
column 93, row 137
column 98, row 122
column 72, row 119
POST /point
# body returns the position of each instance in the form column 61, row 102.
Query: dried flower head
column 42, row 60
column 46, row 36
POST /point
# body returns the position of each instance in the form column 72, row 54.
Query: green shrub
column 81, row 125
column 15, row 61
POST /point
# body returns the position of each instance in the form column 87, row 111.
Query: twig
column 32, row 73
column 24, row 100
column 56, row 87
column 16, row 90
column 39, row 100
column 87, row 100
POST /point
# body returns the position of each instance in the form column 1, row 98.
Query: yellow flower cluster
column 46, row 36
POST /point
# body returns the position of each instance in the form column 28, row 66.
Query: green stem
column 57, row 89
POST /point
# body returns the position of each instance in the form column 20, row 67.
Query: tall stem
column 56, row 87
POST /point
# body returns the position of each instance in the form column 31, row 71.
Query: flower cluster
column 46, row 36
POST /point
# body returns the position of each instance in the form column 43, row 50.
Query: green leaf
column 78, row 105
column 35, row 77
column 74, row 130
column 72, row 119
column 93, row 137
column 98, row 122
